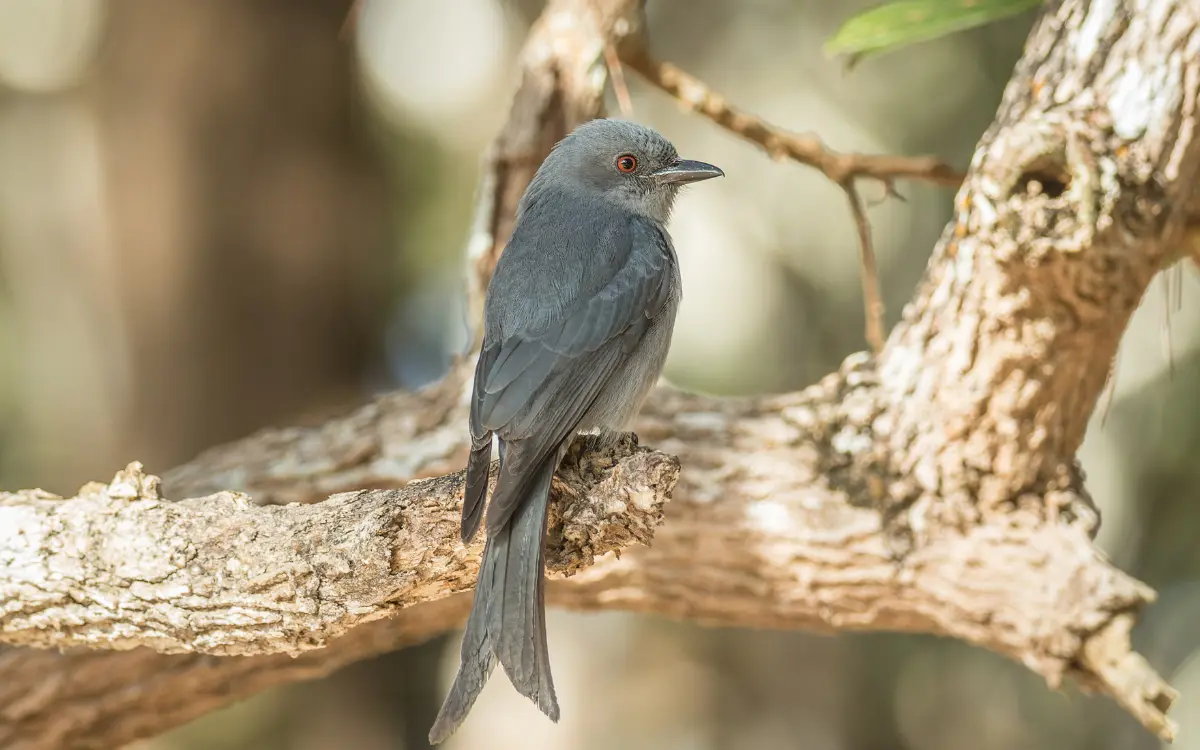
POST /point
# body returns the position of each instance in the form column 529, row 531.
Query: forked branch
column 931, row 488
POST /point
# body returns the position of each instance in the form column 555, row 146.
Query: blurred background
column 221, row 215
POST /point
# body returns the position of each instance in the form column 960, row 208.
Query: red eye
column 626, row 163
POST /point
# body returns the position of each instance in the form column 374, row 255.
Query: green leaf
column 910, row 21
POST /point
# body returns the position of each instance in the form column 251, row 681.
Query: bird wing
column 534, row 386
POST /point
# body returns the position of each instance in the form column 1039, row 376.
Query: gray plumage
column 577, row 324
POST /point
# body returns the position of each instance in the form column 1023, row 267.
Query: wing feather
column 542, row 380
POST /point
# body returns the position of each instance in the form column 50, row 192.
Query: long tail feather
column 507, row 620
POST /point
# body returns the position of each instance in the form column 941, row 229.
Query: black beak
column 684, row 171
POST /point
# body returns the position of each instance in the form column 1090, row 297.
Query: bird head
column 622, row 163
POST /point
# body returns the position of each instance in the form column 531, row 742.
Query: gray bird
column 577, row 323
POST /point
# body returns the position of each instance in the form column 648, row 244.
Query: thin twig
column 841, row 168
column 616, row 74
column 872, row 300
column 806, row 149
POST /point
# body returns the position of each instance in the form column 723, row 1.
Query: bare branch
column 767, row 529
column 872, row 299
column 119, row 567
column 1140, row 691
column 931, row 488
column 780, row 144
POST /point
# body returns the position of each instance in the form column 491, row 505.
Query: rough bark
column 119, row 567
column 932, row 489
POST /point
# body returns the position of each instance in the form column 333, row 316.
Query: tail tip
column 440, row 730
column 549, row 706
column 443, row 727
column 468, row 533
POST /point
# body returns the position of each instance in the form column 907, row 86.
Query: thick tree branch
column 761, row 534
column 931, row 489
column 119, row 567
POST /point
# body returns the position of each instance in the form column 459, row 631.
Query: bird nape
column 577, row 324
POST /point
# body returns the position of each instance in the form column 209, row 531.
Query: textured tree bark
column 118, row 567
column 934, row 489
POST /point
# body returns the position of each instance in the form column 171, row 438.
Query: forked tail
column 508, row 615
